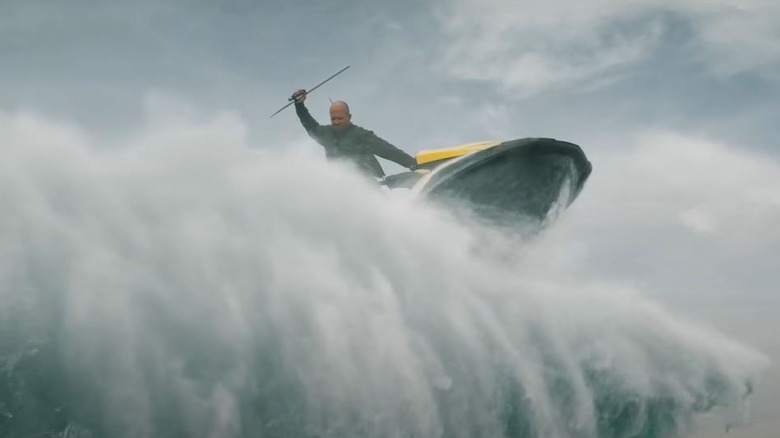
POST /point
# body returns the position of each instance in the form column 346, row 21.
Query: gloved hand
column 299, row 96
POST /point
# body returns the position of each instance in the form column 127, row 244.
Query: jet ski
column 526, row 179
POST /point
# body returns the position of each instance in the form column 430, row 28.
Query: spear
column 292, row 98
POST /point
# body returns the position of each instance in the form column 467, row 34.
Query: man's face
column 339, row 117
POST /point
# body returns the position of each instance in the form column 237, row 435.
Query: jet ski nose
column 529, row 178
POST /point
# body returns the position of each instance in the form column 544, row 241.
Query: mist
column 183, row 283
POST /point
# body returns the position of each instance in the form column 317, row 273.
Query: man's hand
column 299, row 95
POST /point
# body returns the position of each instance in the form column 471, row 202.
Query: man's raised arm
column 308, row 122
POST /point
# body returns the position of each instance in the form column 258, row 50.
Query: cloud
column 691, row 217
column 698, row 221
column 739, row 36
column 527, row 48
column 703, row 181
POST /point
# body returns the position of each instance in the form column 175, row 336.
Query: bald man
column 344, row 140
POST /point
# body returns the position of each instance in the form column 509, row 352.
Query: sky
column 675, row 104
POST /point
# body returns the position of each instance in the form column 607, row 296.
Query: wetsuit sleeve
column 382, row 148
column 308, row 122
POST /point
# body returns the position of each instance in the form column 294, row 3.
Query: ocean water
column 183, row 282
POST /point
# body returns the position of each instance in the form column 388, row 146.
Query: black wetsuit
column 353, row 143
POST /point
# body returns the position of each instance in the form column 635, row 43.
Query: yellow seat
column 433, row 155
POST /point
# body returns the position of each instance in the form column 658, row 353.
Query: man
column 344, row 140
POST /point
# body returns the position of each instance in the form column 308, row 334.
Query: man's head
column 340, row 117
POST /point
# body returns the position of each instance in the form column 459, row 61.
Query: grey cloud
column 530, row 48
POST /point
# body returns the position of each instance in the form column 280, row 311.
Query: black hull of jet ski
column 524, row 179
